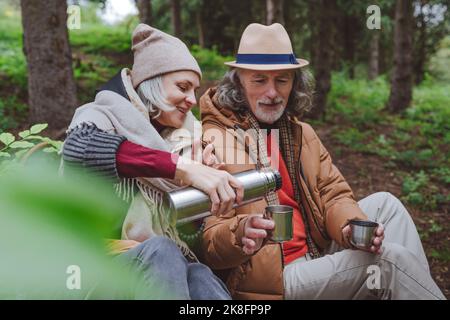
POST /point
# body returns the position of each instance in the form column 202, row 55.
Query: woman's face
column 180, row 87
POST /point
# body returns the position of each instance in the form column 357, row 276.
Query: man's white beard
column 270, row 116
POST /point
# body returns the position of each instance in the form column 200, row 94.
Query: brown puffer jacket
column 327, row 198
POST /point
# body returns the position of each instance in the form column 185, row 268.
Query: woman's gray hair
column 153, row 95
column 230, row 92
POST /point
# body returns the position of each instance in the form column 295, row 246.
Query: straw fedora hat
column 266, row 48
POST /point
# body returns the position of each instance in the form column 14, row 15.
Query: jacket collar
column 116, row 85
column 212, row 111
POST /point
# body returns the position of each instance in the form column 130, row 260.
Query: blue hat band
column 256, row 58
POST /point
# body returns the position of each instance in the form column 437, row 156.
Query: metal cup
column 282, row 216
column 363, row 232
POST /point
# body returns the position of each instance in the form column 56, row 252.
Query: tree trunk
column 201, row 34
column 419, row 65
column 145, row 11
column 312, row 24
column 401, row 78
column 374, row 55
column 386, row 47
column 323, row 53
column 350, row 30
column 51, row 86
column 176, row 18
column 274, row 11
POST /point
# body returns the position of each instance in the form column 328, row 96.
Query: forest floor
column 368, row 174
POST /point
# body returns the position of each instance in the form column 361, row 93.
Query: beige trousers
column 400, row 272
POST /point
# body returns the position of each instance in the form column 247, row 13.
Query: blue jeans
column 166, row 274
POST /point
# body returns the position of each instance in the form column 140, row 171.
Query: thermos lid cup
column 282, row 217
column 362, row 233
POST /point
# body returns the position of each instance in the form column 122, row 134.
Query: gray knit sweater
column 89, row 147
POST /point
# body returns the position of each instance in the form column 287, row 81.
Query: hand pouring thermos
column 190, row 204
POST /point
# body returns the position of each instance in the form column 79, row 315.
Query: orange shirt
column 297, row 247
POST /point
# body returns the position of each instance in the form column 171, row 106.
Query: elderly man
column 265, row 90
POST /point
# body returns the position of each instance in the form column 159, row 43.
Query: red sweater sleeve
column 133, row 160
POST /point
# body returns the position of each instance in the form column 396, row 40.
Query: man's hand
column 377, row 240
column 210, row 159
column 255, row 232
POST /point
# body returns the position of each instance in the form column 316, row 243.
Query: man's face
column 267, row 92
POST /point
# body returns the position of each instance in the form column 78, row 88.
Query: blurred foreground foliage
column 51, row 223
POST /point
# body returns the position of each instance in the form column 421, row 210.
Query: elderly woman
column 140, row 130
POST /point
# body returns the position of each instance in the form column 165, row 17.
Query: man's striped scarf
column 287, row 151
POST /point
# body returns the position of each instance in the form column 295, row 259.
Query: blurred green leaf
column 57, row 145
column 6, row 138
column 37, row 128
column 21, row 145
column 20, row 153
column 49, row 224
column 24, row 134
column 34, row 137
column 49, row 150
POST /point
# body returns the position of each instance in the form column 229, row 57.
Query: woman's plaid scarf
column 287, row 152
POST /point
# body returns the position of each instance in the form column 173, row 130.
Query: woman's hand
column 218, row 184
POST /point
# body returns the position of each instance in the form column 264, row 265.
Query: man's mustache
column 277, row 100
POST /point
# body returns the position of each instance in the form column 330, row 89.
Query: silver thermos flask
column 190, row 204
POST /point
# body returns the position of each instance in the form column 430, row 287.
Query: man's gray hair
column 153, row 95
column 230, row 92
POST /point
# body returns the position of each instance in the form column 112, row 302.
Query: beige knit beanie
column 156, row 53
